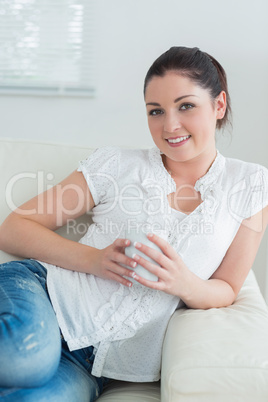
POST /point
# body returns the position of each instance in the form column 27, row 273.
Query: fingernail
column 137, row 244
column 134, row 276
column 133, row 264
column 135, row 257
column 126, row 242
column 150, row 234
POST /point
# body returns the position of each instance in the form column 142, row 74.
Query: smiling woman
column 201, row 68
column 183, row 127
column 186, row 95
column 203, row 214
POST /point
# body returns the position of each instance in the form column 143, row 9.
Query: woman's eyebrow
column 153, row 104
column 175, row 101
column 182, row 97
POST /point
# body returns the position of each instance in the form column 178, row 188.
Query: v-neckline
column 205, row 185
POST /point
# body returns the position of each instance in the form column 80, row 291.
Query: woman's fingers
column 165, row 247
column 120, row 258
column 151, row 267
column 156, row 255
column 168, row 269
column 116, row 264
column 121, row 243
column 119, row 267
column 120, row 279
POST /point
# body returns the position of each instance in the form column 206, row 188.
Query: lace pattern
column 210, row 190
column 100, row 170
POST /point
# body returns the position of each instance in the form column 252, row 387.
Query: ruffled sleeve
column 100, row 170
column 250, row 195
column 258, row 197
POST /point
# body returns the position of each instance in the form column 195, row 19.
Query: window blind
column 47, row 47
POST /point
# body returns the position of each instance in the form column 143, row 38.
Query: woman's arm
column 29, row 232
column 223, row 286
column 241, row 253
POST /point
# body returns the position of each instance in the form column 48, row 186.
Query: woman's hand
column 171, row 273
column 107, row 262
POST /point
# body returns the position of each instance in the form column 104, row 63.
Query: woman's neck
column 191, row 170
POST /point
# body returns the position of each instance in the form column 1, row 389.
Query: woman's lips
column 177, row 141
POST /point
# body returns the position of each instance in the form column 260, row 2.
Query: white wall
column 130, row 35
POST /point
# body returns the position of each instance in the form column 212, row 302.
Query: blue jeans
column 35, row 362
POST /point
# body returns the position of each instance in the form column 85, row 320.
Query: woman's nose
column 172, row 123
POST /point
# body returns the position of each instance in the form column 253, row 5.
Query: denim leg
column 71, row 383
column 30, row 345
column 34, row 366
column 84, row 358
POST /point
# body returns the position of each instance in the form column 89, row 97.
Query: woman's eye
column 186, row 106
column 155, row 112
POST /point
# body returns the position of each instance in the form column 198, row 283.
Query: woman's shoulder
column 115, row 159
column 246, row 184
column 122, row 152
column 133, row 160
column 240, row 169
column 135, row 153
column 247, row 178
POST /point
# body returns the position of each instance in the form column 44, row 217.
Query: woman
column 205, row 213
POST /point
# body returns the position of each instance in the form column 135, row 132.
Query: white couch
column 208, row 355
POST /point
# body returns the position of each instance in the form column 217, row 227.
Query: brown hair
column 198, row 66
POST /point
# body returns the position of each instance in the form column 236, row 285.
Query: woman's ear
column 221, row 105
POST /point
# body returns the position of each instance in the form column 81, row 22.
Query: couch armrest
column 218, row 354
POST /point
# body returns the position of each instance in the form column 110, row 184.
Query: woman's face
column 182, row 117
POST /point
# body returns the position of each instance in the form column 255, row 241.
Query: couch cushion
column 218, row 354
column 120, row 391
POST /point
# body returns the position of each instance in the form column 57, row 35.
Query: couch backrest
column 29, row 168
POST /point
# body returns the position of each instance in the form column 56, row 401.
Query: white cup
column 135, row 235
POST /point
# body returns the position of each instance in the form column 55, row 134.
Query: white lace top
column 127, row 325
